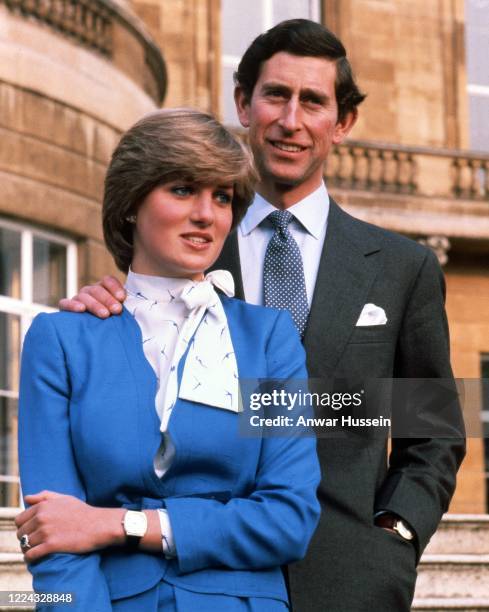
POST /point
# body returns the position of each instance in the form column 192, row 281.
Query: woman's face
column 180, row 229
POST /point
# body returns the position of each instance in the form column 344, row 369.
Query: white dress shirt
column 308, row 229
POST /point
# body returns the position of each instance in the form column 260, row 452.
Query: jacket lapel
column 229, row 260
column 345, row 275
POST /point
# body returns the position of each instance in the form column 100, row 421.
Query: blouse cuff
column 167, row 540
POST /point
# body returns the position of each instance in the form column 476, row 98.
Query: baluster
column 373, row 165
column 360, row 168
column 413, row 169
column 476, row 190
column 485, row 181
column 383, row 157
column 330, row 170
column 403, row 172
column 457, row 177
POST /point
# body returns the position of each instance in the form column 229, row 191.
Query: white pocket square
column 371, row 315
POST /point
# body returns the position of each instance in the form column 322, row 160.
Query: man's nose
column 291, row 116
column 203, row 209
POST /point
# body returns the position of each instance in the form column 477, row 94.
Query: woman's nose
column 203, row 210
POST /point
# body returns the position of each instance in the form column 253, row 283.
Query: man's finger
column 72, row 305
column 93, row 305
column 102, row 297
column 114, row 287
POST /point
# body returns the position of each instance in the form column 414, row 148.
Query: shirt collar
column 160, row 288
column 166, row 289
column 312, row 212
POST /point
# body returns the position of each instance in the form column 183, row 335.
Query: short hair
column 164, row 146
column 303, row 38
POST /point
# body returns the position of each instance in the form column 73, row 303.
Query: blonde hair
column 164, row 146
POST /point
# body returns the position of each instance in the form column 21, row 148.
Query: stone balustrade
column 106, row 27
column 87, row 21
column 388, row 168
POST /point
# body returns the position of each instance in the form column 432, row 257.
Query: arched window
column 37, row 268
column 239, row 27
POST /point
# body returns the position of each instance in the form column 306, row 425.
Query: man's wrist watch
column 390, row 521
column 135, row 525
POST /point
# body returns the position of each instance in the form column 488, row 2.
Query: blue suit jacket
column 239, row 506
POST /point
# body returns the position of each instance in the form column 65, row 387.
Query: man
column 296, row 95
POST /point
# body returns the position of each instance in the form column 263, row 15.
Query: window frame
column 24, row 307
column 267, row 13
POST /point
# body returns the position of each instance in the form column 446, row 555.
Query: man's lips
column 287, row 147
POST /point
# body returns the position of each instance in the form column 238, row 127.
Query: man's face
column 293, row 121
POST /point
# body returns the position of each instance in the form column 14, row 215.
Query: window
column 239, row 28
column 36, row 270
column 485, row 418
column 477, row 49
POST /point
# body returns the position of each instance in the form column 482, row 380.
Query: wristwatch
column 396, row 524
column 135, row 526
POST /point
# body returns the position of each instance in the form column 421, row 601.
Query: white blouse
column 179, row 316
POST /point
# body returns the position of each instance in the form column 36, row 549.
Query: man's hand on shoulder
column 102, row 300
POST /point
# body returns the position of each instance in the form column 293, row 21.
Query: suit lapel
column 229, row 260
column 345, row 275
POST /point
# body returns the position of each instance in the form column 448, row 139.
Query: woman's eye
column 182, row 190
column 223, row 197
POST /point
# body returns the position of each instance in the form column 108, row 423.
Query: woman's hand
column 62, row 523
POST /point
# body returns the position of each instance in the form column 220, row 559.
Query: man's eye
column 275, row 93
column 182, row 190
column 312, row 101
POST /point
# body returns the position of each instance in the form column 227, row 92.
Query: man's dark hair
column 306, row 39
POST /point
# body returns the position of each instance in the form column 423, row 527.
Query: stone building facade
column 72, row 78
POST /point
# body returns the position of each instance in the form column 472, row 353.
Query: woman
column 142, row 493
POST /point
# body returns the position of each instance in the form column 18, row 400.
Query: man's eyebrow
column 308, row 92
column 275, row 85
column 317, row 94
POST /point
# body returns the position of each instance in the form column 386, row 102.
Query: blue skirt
column 165, row 597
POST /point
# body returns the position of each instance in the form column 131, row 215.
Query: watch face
column 135, row 523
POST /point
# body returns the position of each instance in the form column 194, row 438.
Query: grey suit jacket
column 352, row 565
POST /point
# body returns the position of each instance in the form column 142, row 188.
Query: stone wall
column 62, row 108
column 409, row 57
column 188, row 33
column 468, row 307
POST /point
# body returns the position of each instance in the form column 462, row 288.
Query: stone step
column 13, row 573
column 8, row 539
column 453, row 605
column 453, row 576
column 453, row 573
column 461, row 534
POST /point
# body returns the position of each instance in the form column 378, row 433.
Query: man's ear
column 242, row 106
column 344, row 126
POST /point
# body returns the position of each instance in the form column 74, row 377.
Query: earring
column 131, row 219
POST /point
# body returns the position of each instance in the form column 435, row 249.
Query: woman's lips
column 197, row 241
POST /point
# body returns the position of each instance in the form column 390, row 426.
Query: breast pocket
column 371, row 333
